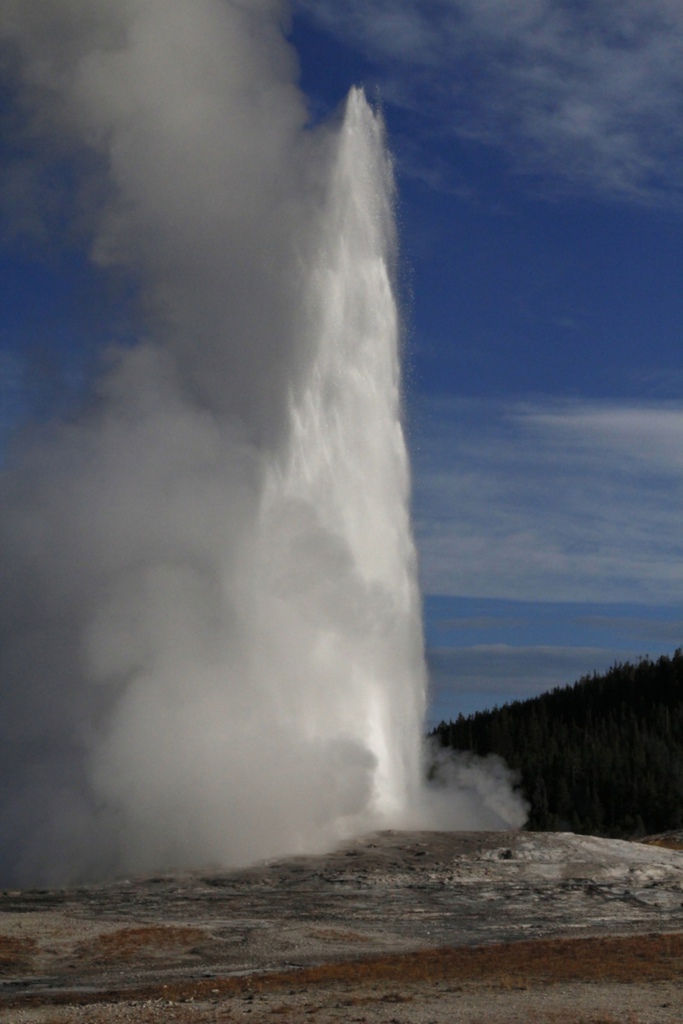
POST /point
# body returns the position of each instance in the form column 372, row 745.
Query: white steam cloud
column 211, row 632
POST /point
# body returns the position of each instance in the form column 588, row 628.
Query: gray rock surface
column 386, row 892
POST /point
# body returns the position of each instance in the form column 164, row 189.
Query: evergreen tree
column 603, row 756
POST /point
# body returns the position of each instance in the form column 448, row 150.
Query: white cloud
column 567, row 502
column 591, row 92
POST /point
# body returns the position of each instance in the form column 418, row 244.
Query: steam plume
column 213, row 648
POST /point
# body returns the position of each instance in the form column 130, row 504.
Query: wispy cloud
column 466, row 623
column 467, row 679
column 590, row 92
column 636, row 628
column 564, row 502
column 510, row 650
column 519, row 671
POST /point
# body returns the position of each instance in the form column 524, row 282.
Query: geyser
column 212, row 631
column 210, row 628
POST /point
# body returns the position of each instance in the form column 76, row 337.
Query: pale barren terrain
column 395, row 927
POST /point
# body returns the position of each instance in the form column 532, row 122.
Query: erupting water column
column 214, row 639
column 301, row 714
column 346, row 464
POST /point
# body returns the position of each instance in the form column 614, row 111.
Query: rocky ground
column 395, row 927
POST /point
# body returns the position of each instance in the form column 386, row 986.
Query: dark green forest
column 604, row 756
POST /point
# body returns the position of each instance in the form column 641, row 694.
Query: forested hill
column 604, row 756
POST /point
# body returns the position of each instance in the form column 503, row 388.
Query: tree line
column 602, row 757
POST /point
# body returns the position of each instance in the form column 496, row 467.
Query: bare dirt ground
column 395, row 927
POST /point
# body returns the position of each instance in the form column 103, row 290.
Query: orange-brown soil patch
column 15, row 953
column 129, row 943
column 509, row 965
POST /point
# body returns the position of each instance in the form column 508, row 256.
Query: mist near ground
column 211, row 637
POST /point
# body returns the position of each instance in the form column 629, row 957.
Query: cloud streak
column 562, row 502
column 518, row 672
column 474, row 678
column 588, row 93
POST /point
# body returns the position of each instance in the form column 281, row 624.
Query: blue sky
column 537, row 149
